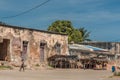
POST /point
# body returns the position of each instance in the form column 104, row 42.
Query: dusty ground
column 56, row 74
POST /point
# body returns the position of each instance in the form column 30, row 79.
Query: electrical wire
column 25, row 11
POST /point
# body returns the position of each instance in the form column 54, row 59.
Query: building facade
column 113, row 47
column 87, row 51
column 114, row 50
column 36, row 45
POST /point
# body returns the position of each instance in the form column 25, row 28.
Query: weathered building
column 90, row 57
column 87, row 51
column 113, row 47
column 36, row 45
column 94, row 57
column 114, row 51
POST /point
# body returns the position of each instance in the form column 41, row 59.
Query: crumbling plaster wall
column 18, row 35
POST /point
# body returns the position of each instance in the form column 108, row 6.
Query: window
column 58, row 48
column 42, row 51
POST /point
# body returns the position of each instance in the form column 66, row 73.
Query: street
column 56, row 74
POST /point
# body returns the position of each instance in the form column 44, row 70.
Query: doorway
column 5, row 50
column 25, row 48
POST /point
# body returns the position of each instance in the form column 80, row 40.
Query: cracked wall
column 35, row 39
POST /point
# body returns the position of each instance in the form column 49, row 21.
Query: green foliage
column 65, row 27
column 75, row 36
column 61, row 27
column 116, row 74
column 37, row 65
column 5, row 67
column 85, row 34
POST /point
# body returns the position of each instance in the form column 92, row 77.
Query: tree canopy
column 66, row 27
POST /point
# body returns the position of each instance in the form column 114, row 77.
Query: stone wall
column 17, row 35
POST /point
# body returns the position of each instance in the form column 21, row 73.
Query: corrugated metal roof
column 86, row 47
column 95, row 48
column 78, row 47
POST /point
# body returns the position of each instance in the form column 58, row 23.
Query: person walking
column 84, row 65
column 113, row 69
column 22, row 67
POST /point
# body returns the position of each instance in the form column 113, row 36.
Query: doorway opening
column 5, row 50
column 25, row 48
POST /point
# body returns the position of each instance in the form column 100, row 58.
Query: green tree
column 65, row 27
column 75, row 36
column 85, row 34
column 62, row 26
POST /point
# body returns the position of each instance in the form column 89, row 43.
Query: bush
column 5, row 67
column 37, row 65
column 117, row 74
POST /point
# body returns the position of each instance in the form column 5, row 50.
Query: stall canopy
column 96, row 48
column 86, row 48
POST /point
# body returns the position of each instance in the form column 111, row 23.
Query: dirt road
column 56, row 74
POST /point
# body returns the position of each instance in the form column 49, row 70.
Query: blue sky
column 100, row 17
